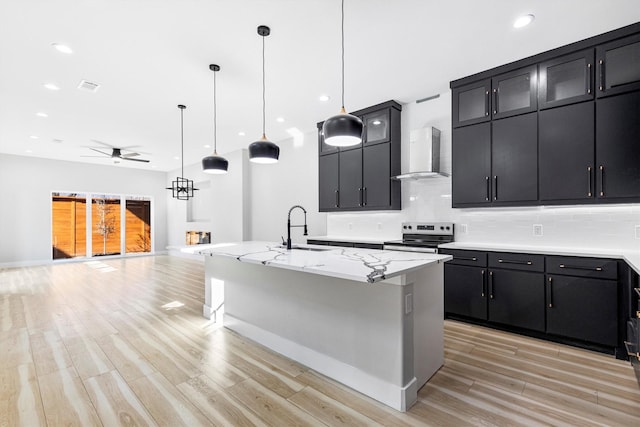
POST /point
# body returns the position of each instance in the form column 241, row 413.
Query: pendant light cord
column 215, row 127
column 182, row 139
column 343, row 54
column 263, row 92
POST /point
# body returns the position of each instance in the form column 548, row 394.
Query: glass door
column 137, row 225
column 566, row 80
column 105, row 225
column 68, row 225
column 619, row 66
column 515, row 92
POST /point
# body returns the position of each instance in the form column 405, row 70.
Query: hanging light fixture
column 182, row 188
column 343, row 129
column 214, row 164
column 263, row 150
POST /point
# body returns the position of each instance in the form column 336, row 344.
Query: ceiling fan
column 116, row 153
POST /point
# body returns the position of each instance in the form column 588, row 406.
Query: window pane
column 138, row 226
column 105, row 220
column 68, row 225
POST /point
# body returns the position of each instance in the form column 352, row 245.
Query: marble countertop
column 363, row 265
column 350, row 239
column 630, row 256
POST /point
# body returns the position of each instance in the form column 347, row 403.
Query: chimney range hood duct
column 424, row 155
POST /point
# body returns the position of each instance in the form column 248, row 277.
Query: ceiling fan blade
column 135, row 160
column 129, row 155
column 101, row 152
column 102, row 143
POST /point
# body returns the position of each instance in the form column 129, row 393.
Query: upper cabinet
column 619, row 66
column 560, row 127
column 515, row 92
column 359, row 178
column 566, row 80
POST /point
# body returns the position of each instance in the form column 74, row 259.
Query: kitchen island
column 370, row 319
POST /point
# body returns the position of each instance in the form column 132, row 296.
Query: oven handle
column 402, row 248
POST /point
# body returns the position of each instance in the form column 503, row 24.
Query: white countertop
column 631, row 257
column 363, row 265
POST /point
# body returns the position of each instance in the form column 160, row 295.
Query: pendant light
column 182, row 188
column 214, row 164
column 343, row 129
column 263, row 150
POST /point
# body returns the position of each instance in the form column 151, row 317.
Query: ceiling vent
column 88, row 86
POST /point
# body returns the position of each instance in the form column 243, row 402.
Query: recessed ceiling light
column 523, row 21
column 57, row 141
column 42, row 114
column 280, row 119
column 177, row 158
column 207, row 146
column 241, row 134
column 33, row 137
column 28, row 151
column 62, row 48
column 324, row 98
column 51, row 86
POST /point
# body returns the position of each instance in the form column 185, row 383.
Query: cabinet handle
column 506, row 261
column 577, row 267
column 465, row 258
column 484, row 280
column 550, row 293
column 360, row 196
column 601, row 75
column 495, row 187
column 486, row 103
column 589, row 192
column 601, row 181
column 488, row 188
column 337, row 198
column 491, row 284
column 588, row 78
column 365, row 196
column 495, row 101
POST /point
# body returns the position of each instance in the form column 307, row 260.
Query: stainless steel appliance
column 422, row 237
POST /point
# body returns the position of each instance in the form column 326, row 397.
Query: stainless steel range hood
column 424, row 154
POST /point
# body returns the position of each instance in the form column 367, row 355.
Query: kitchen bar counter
column 370, row 319
column 631, row 257
column 362, row 265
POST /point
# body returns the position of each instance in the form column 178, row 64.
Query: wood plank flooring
column 123, row 342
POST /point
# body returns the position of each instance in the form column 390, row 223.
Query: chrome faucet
column 289, row 224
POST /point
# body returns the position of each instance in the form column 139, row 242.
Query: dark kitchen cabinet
column 471, row 165
column 514, row 93
column 566, row 80
column 471, row 103
column 350, row 187
column 618, row 147
column 566, row 153
column 516, row 298
column 619, row 66
column 514, row 153
column 583, row 308
column 362, row 175
column 329, row 184
column 465, row 291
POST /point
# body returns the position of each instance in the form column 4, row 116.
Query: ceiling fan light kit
column 343, row 129
column 263, row 150
column 215, row 164
column 182, row 188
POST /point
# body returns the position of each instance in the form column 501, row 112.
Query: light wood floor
column 122, row 342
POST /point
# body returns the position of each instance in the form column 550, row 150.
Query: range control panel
column 427, row 228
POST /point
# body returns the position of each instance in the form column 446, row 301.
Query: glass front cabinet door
column 566, row 80
column 471, row 104
column 619, row 66
column 376, row 127
column 514, row 93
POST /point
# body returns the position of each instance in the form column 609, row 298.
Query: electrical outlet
column 637, row 231
column 408, row 303
column 463, row 228
column 537, row 230
column 350, row 226
column 379, row 226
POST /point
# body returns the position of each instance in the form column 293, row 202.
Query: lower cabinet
column 571, row 299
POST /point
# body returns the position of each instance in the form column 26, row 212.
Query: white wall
column 603, row 226
column 26, row 184
column 276, row 188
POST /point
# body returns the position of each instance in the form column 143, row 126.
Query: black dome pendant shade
column 214, row 164
column 263, row 150
column 343, row 129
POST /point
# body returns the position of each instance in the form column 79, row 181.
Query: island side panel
column 348, row 330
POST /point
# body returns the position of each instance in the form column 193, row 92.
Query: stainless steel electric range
column 422, row 237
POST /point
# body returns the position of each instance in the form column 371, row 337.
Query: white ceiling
column 151, row 55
